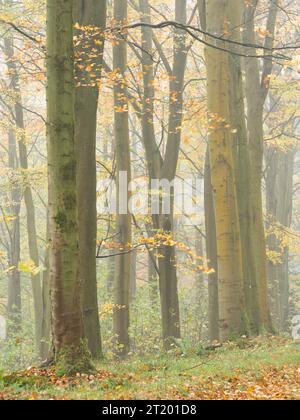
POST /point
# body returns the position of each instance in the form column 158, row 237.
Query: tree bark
column 14, row 301
column 211, row 254
column 241, row 155
column 279, row 204
column 70, row 348
column 46, row 316
column 257, row 88
column 30, row 208
column 92, row 14
column 223, row 176
column 152, row 279
column 160, row 168
column 123, row 165
column 133, row 274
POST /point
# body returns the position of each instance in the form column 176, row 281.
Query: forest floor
column 259, row 369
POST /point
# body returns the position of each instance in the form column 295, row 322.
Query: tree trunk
column 110, row 274
column 211, row 254
column 46, row 316
column 167, row 265
column 30, row 208
column 123, row 169
column 210, row 228
column 152, row 279
column 223, row 176
column 91, row 14
column 133, row 274
column 153, row 156
column 32, row 235
column 14, row 305
column 257, row 88
column 200, row 288
column 165, row 169
column 242, row 164
column 279, row 194
column 70, row 348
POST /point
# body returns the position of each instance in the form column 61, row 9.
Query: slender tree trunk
column 210, row 227
column 159, row 168
column 169, row 292
column 123, row 166
column 46, row 315
column 92, row 14
column 133, row 274
column 211, row 254
column 110, row 274
column 167, row 264
column 46, row 318
column 279, row 194
column 202, row 13
column 70, row 348
column 152, row 279
column 30, row 208
column 14, row 304
column 32, row 235
column 153, row 156
column 200, row 288
column 257, row 88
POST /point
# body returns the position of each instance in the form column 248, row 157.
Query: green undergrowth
column 236, row 370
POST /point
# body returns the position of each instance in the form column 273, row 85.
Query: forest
column 149, row 193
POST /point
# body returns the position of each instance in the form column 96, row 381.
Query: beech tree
column 70, row 348
column 164, row 167
column 232, row 316
column 89, row 55
column 257, row 88
column 123, row 170
column 21, row 156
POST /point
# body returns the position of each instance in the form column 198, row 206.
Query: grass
column 261, row 369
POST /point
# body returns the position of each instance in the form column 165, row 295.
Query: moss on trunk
column 74, row 359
